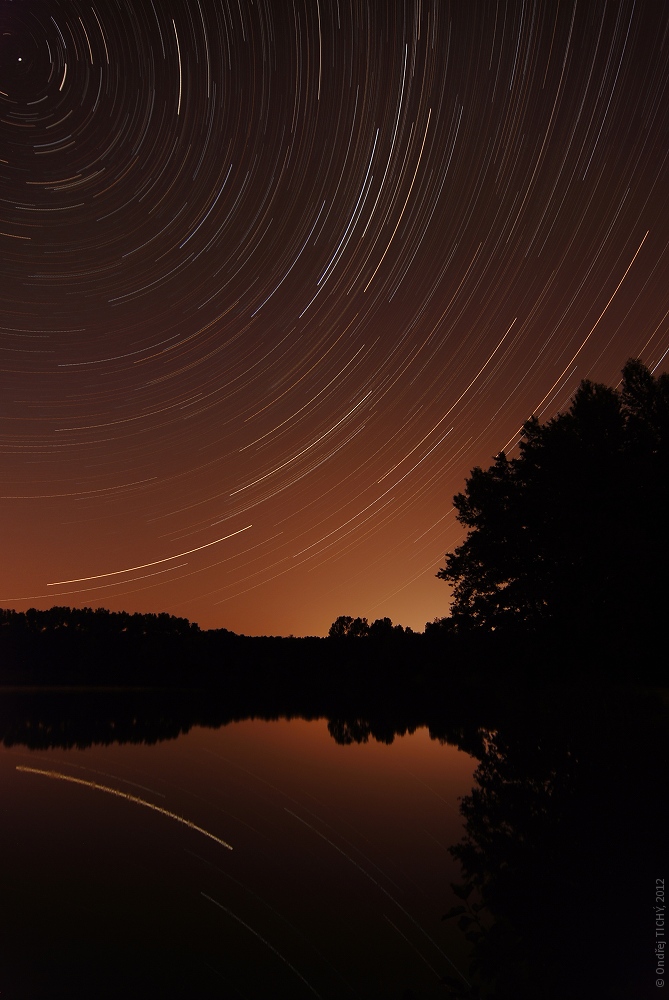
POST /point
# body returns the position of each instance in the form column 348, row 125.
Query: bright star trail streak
column 261, row 260
column 131, row 569
column 57, row 776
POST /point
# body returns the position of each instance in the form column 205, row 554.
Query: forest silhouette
column 563, row 568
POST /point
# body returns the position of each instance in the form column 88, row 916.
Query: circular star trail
column 276, row 275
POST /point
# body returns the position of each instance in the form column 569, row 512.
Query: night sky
column 276, row 274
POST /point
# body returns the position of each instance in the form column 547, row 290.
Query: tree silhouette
column 574, row 529
column 381, row 629
column 347, row 627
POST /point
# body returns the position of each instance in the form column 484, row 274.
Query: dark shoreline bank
column 77, row 648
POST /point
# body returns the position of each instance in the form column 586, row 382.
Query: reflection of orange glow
column 123, row 795
column 363, row 870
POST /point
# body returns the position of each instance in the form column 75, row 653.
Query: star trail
column 276, row 274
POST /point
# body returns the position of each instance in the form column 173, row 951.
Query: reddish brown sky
column 275, row 276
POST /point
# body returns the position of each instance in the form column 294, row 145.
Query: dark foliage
column 347, row 627
column 82, row 647
column 572, row 533
column 562, row 831
column 79, row 645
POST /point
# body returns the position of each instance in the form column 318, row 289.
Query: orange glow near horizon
column 275, row 278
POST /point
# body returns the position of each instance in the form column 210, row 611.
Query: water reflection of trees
column 563, row 834
column 69, row 717
column 563, row 827
column 82, row 719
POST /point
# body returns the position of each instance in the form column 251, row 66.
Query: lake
column 144, row 853
column 116, row 877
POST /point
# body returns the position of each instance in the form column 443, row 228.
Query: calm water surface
column 117, row 881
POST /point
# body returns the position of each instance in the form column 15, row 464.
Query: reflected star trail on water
column 58, row 776
column 385, row 893
column 300, row 267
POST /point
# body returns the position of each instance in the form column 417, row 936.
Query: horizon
column 277, row 277
column 123, row 611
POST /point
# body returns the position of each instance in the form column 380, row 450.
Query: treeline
column 82, row 646
column 64, row 645
column 99, row 622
